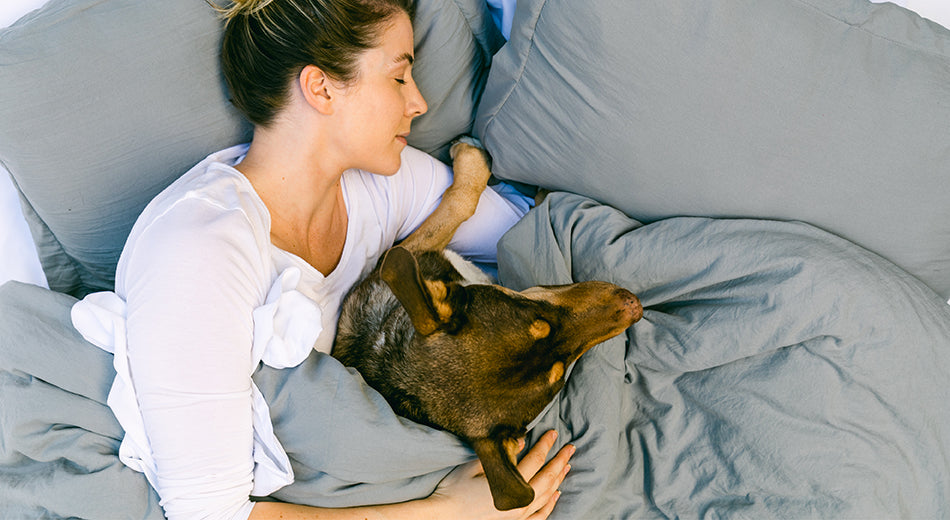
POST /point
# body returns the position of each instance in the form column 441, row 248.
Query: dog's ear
column 509, row 490
column 424, row 301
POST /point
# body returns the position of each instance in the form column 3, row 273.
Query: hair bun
column 241, row 8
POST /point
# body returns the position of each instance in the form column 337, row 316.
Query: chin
column 393, row 164
column 385, row 163
column 389, row 172
column 389, row 169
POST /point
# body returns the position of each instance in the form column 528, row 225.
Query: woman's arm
column 463, row 494
column 192, row 280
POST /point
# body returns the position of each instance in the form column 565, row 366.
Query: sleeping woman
column 247, row 256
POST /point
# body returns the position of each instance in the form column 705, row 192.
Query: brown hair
column 268, row 42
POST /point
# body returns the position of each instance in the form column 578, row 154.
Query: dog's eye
column 540, row 329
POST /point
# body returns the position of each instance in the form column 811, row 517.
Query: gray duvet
column 779, row 372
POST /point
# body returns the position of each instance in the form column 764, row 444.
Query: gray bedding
column 779, row 371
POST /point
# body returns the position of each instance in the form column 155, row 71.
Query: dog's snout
column 592, row 300
column 630, row 304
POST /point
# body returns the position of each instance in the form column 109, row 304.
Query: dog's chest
column 371, row 316
column 470, row 272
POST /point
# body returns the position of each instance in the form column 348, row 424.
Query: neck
column 285, row 163
column 302, row 192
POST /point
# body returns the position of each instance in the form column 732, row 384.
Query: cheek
column 382, row 116
column 392, row 105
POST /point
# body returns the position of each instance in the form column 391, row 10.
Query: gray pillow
column 834, row 112
column 103, row 103
column 455, row 41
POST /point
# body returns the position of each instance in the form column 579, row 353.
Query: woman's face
column 380, row 105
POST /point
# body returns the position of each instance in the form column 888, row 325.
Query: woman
column 247, row 256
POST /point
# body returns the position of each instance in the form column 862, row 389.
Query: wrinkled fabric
column 285, row 329
column 778, row 372
column 287, row 325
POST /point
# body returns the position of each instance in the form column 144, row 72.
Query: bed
column 771, row 178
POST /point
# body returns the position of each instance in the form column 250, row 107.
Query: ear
column 424, row 301
column 317, row 89
column 509, row 490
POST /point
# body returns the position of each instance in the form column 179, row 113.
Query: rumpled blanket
column 778, row 372
column 286, row 327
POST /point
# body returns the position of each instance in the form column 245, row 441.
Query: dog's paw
column 461, row 142
column 471, row 164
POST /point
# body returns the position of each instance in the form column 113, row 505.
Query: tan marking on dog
column 511, row 448
column 540, row 329
column 557, row 372
column 438, row 291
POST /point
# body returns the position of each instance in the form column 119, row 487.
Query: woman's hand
column 465, row 494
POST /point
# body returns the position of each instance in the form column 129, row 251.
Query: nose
column 631, row 305
column 415, row 103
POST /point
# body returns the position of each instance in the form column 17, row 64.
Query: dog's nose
column 630, row 304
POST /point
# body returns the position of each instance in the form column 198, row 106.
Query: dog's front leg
column 509, row 490
column 458, row 202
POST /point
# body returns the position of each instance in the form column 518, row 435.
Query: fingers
column 553, row 473
column 465, row 488
column 534, row 460
column 545, row 478
column 548, row 508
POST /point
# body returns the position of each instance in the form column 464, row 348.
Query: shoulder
column 420, row 166
column 213, row 181
column 419, row 176
column 210, row 215
column 211, row 192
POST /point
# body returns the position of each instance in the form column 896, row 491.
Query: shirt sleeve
column 420, row 185
column 500, row 207
column 192, row 280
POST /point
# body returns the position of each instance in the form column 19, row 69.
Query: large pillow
column 835, row 112
column 104, row 102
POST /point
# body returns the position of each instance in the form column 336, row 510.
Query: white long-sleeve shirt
column 202, row 296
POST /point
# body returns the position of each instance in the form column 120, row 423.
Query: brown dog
column 458, row 353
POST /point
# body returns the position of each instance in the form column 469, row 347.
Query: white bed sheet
column 19, row 260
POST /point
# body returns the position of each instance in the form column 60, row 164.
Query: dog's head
column 490, row 358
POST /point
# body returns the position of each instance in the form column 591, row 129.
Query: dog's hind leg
column 509, row 490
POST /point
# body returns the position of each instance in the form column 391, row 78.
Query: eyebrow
column 406, row 56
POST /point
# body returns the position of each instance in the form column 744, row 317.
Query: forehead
column 395, row 45
column 495, row 302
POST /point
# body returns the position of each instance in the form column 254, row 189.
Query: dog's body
column 459, row 353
